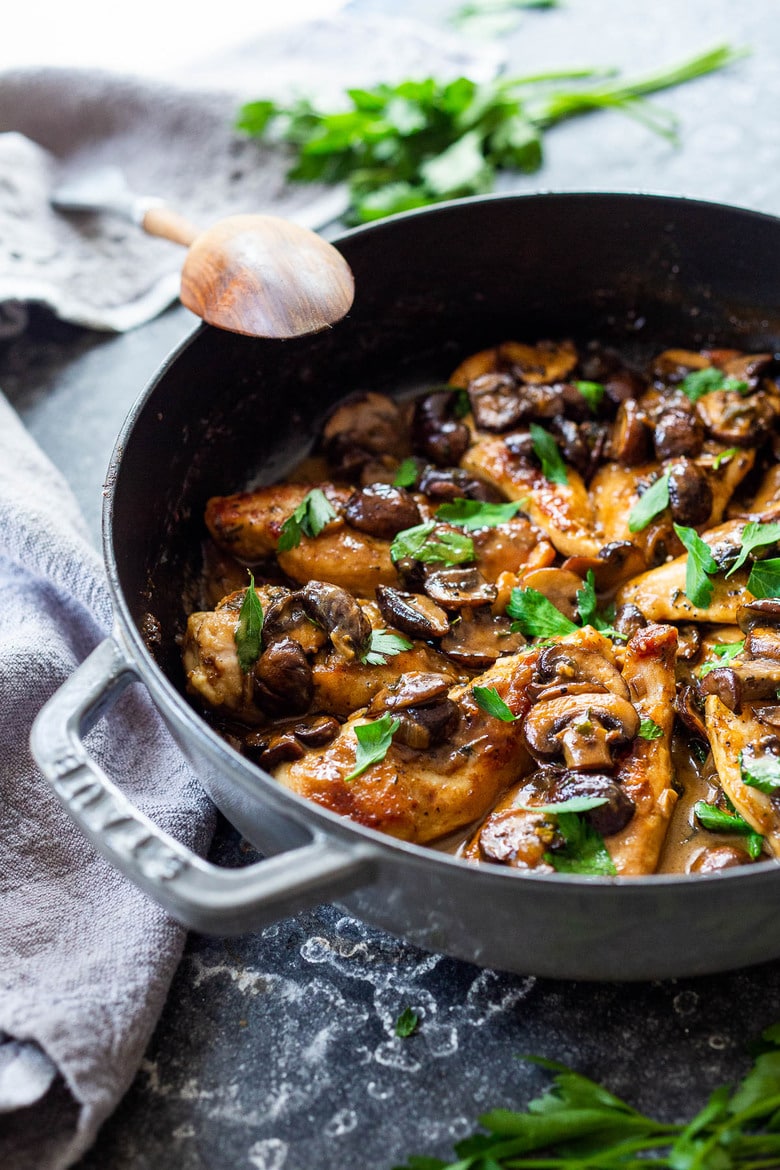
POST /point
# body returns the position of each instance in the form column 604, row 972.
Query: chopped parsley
column 649, row 504
column 764, row 579
column 473, row 514
column 724, row 456
column 430, row 545
column 248, row 632
column 726, row 651
column 583, row 851
column 717, row 820
column 489, row 700
column 649, row 729
column 308, row 519
column 701, row 563
column 761, row 772
column 535, row 616
column 754, row 535
column 548, row 454
column 406, row 475
column 373, row 742
column 575, row 804
column 384, row 645
column 700, row 382
column 407, row 1023
column 592, row 392
column 587, row 607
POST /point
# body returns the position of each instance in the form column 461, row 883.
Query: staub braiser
column 225, row 411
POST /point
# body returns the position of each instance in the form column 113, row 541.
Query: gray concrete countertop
column 277, row 1051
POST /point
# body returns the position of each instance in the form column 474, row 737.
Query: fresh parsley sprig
column 718, row 820
column 489, row 700
column 547, row 452
column 384, row 645
column 700, row 382
column 726, row 652
column 474, row 514
column 701, row 565
column 764, row 579
column 249, row 631
column 592, row 392
column 754, row 535
column 649, row 729
column 583, row 850
column 650, row 504
column 535, row 615
column 425, row 140
column 580, row 1125
column 761, row 772
column 591, row 615
column 310, row 517
column 373, row 743
column 432, row 545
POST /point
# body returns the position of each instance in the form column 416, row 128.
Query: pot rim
column 251, row 778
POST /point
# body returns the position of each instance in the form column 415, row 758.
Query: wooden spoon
column 253, row 274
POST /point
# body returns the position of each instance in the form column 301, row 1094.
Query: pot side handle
column 198, row 894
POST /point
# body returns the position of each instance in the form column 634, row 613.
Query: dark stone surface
column 277, row 1051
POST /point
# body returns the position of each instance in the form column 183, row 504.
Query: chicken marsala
column 532, row 615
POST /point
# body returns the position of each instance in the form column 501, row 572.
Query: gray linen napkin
column 85, row 958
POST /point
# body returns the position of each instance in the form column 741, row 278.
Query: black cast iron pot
column 641, row 272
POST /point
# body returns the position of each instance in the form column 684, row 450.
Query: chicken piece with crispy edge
column 644, row 777
column 730, row 734
column 340, row 685
column 422, row 796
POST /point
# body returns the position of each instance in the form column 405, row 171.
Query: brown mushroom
column 445, row 484
column 436, row 432
column 737, row 421
column 723, row 682
column 283, row 679
column 742, row 682
column 585, row 729
column 424, row 727
column 286, row 618
column 337, row 612
column 678, row 432
column 688, row 707
column 478, row 639
column 553, row 785
column 462, row 585
column 629, row 442
column 381, row 510
column 673, row 365
column 715, row 858
column 412, row 613
column 562, row 668
column 416, row 688
column 764, row 611
column 363, row 426
column 628, row 619
column 688, row 642
column 317, row 732
column 747, row 367
column 495, row 402
column 545, row 362
column 690, row 493
column 762, row 643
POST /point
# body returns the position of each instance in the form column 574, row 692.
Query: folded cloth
column 85, row 958
column 176, row 142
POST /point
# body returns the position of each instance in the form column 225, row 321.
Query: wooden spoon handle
column 162, row 221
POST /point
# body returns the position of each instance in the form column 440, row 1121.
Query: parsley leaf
column 575, row 804
column 761, row 772
column 248, row 632
column 407, row 1023
column 489, row 700
column 701, row 382
column 587, row 607
column 548, row 454
column 724, row 456
column 726, row 651
column 701, row 563
column 535, row 616
column 649, row 729
column 384, row 645
column 430, row 545
column 584, row 850
column 592, row 392
column 373, row 742
column 754, row 535
column 406, row 475
column 764, row 579
column 474, row 514
column 717, row 820
column 649, row 504
column 308, row 519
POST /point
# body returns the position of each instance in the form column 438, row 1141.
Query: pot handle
column 195, row 892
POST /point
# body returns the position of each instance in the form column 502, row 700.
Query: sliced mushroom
column 436, row 432
column 416, row 688
column 689, row 642
column 445, row 484
column 690, row 493
column 317, row 732
column 629, row 442
column 747, row 367
column 764, row 611
column 561, row 667
column 723, row 682
column 381, row 510
column 462, row 585
column 585, row 729
column 762, row 643
column 286, row 617
column 560, row 586
column 427, row 726
column 554, row 785
column 770, row 716
column 478, row 639
column 674, row 364
column 629, row 619
column 495, row 402
column 547, row 361
column 742, row 682
column 688, row 706
column 715, row 858
column 412, row 613
column 340, row 615
column 283, row 679
column 737, row 421
column 678, row 432
column 363, row 426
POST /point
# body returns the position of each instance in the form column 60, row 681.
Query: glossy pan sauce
column 531, row 615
